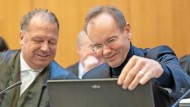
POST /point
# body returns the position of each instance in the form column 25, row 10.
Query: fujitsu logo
column 95, row 86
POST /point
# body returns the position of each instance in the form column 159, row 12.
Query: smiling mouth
column 43, row 56
column 111, row 57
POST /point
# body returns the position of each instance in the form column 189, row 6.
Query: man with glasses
column 111, row 37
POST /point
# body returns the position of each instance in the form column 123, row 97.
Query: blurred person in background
column 3, row 45
column 88, row 58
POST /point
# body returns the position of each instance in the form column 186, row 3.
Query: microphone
column 176, row 104
column 10, row 87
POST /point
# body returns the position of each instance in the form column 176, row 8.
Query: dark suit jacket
column 36, row 95
column 185, row 63
column 73, row 68
column 166, row 57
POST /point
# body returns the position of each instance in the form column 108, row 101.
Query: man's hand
column 90, row 62
column 139, row 70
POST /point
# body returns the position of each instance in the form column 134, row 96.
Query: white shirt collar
column 81, row 71
column 27, row 74
column 24, row 66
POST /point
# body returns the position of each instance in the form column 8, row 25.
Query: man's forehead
column 101, row 27
column 101, row 20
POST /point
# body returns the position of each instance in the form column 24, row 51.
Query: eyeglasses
column 98, row 47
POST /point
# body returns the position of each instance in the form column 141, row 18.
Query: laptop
column 97, row 93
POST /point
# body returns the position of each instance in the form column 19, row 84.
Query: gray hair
column 113, row 11
column 45, row 14
column 80, row 37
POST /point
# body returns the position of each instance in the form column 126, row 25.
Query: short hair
column 111, row 10
column 80, row 37
column 3, row 45
column 45, row 14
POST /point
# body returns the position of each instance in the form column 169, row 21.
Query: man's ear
column 21, row 36
column 127, row 29
column 129, row 35
column 78, row 49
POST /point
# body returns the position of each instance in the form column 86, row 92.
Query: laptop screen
column 97, row 93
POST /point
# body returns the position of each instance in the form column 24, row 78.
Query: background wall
column 153, row 22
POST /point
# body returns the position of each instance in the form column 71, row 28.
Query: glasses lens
column 97, row 48
column 111, row 41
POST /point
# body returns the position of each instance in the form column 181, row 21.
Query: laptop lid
column 97, row 93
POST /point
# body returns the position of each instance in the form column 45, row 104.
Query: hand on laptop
column 139, row 70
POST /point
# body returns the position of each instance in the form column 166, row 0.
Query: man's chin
column 41, row 67
column 42, row 64
column 113, row 65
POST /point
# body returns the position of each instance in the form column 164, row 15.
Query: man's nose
column 106, row 49
column 45, row 47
